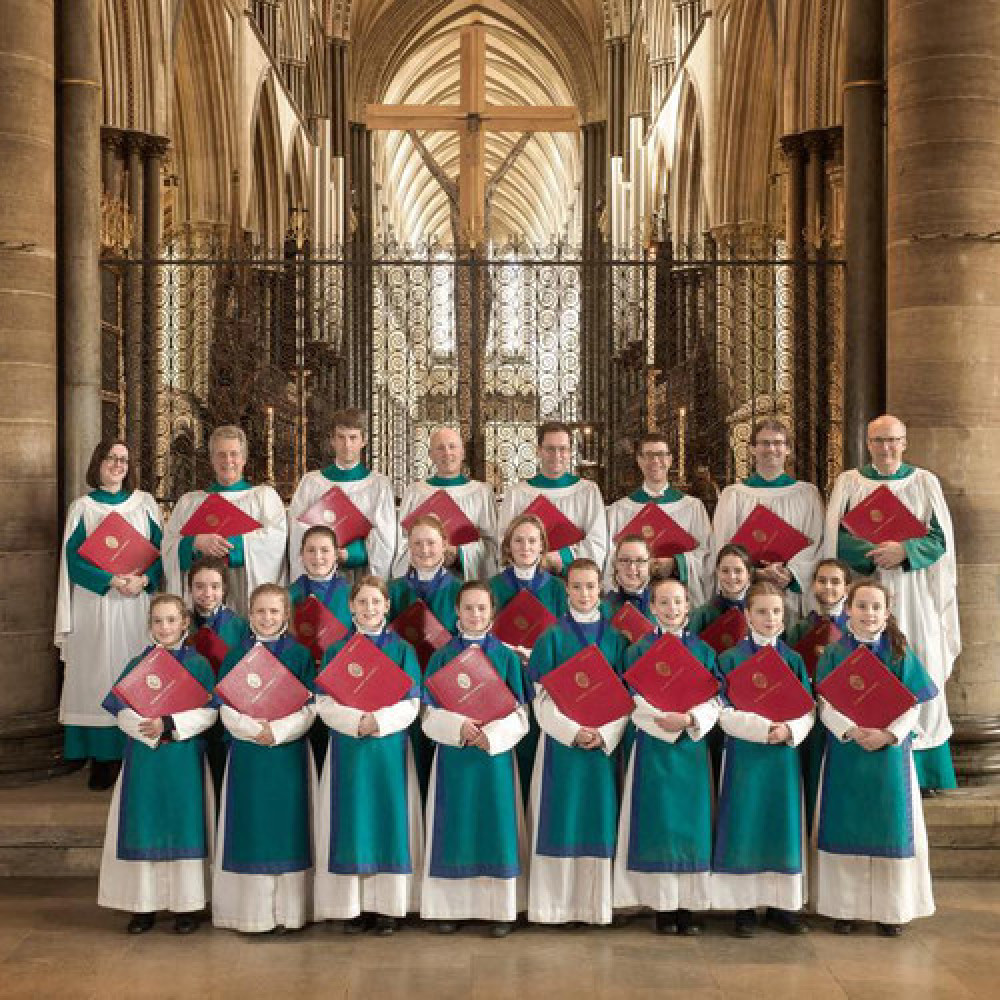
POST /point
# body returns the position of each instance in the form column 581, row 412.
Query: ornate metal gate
column 697, row 344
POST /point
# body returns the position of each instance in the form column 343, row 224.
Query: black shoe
column 384, row 926
column 140, row 923
column 501, row 928
column 103, row 774
column 687, row 925
column 445, row 926
column 185, row 923
column 890, row 930
column 745, row 924
column 665, row 922
column 843, row 927
column 785, row 921
column 359, row 924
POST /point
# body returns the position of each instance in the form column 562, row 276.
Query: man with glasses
column 654, row 458
column 579, row 500
column 795, row 502
column 919, row 572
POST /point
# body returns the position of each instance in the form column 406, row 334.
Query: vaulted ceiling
column 537, row 54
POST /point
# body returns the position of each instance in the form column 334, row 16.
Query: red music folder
column 469, row 685
column 765, row 684
column 160, row 685
column 211, row 645
column 671, row 678
column 457, row 527
column 664, row 536
column 361, row 676
column 632, row 623
column 522, row 621
column 769, row 538
column 559, row 529
column 316, row 626
column 864, row 689
column 418, row 626
column 810, row 647
column 261, row 686
column 587, row 690
column 334, row 509
column 218, row 516
column 883, row 517
column 729, row 629
column 117, row 548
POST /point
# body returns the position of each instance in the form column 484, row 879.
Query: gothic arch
column 268, row 213
column 688, row 210
column 813, row 65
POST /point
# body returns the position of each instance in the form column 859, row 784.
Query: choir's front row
column 623, row 817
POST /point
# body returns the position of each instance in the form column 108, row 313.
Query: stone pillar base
column 31, row 749
column 975, row 748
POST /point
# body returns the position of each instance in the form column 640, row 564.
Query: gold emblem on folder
column 759, row 535
column 521, row 622
column 647, row 531
column 212, row 520
column 112, row 542
column 726, row 640
column 254, row 681
column 307, row 629
column 464, row 681
column 857, row 682
column 877, row 516
column 663, row 668
column 759, row 681
column 153, row 682
column 355, row 670
column 582, row 680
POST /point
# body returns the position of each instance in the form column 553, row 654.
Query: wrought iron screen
column 699, row 344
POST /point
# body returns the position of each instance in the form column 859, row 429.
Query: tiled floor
column 54, row 941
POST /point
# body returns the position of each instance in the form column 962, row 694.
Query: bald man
column 476, row 560
column 920, row 573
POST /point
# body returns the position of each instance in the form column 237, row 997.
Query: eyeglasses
column 631, row 562
column 562, row 449
column 660, row 456
column 117, row 459
column 770, row 443
column 889, row 440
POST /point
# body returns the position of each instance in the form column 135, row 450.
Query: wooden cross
column 472, row 118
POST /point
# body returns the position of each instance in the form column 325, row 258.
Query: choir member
column 474, row 560
column 162, row 814
column 579, row 500
column 102, row 619
column 370, row 492
column 919, row 572
column 654, row 458
column 252, row 559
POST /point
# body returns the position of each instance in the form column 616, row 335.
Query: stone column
column 864, row 223
column 79, row 236
column 944, row 313
column 134, row 416
column 154, row 148
column 29, row 501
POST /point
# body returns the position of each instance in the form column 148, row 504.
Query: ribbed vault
column 528, row 62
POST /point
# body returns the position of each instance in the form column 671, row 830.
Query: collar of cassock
column 542, row 482
column 873, row 641
column 337, row 474
column 472, row 637
column 105, row 496
column 524, row 574
column 371, row 633
column 268, row 638
column 443, row 481
column 763, row 640
column 216, row 487
column 758, row 482
column 870, row 472
column 677, row 631
column 586, row 617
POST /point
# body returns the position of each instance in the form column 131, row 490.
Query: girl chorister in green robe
column 574, row 798
column 208, row 586
column 631, row 561
column 161, row 820
column 263, row 859
column 367, row 821
column 320, row 578
column 524, row 546
column 759, row 855
column 829, row 594
column 429, row 581
column 872, row 858
column 733, row 573
column 664, row 855
column 474, row 865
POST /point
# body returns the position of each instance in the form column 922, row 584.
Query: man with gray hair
column 254, row 558
column 920, row 573
column 476, row 560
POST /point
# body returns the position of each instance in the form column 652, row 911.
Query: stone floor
column 54, row 941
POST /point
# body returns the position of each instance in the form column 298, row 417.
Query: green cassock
column 759, row 822
column 475, row 794
column 706, row 613
column 439, row 595
column 267, row 826
column 369, row 823
column 865, row 805
column 551, row 594
column 670, row 826
column 162, row 803
column 578, row 804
